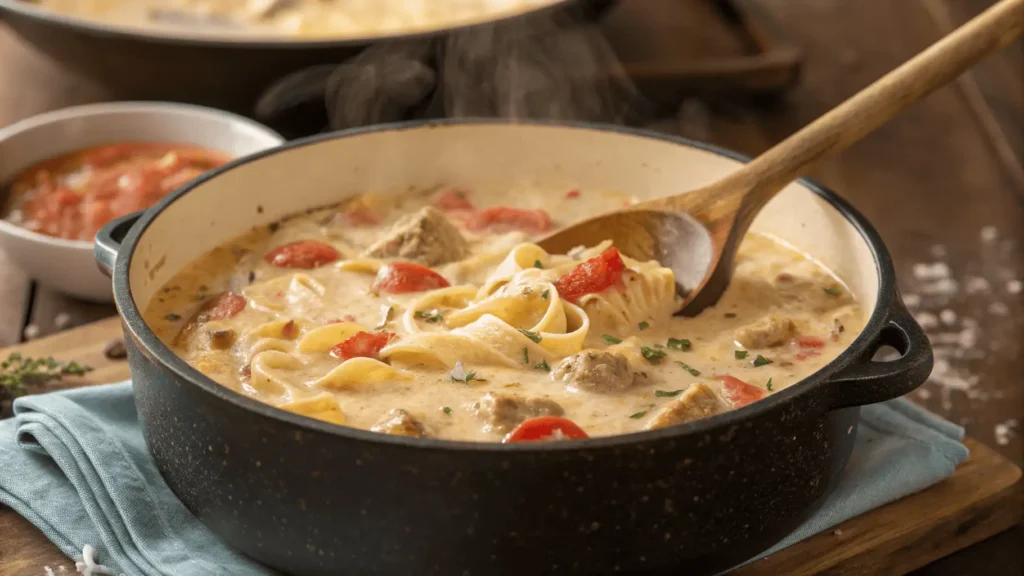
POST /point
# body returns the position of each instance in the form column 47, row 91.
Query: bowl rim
column 246, row 41
column 155, row 350
column 100, row 109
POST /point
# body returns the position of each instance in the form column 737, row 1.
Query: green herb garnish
column 17, row 372
column 760, row 361
column 446, row 410
column 531, row 335
column 679, row 344
column 173, row 317
column 769, row 385
column 545, row 293
column 526, row 355
column 689, row 368
column 659, row 345
column 542, row 365
column 740, row 354
column 537, row 264
column 833, row 291
column 652, row 355
column 638, row 415
column 433, row 316
column 667, row 393
column 611, row 339
column 643, row 325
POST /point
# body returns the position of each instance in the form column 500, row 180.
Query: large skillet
column 312, row 498
column 223, row 71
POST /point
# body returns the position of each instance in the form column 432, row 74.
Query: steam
column 551, row 65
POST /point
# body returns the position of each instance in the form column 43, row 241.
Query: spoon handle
column 873, row 106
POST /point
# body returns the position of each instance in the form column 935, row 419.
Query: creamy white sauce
column 771, row 281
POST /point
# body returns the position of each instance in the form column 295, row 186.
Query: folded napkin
column 75, row 465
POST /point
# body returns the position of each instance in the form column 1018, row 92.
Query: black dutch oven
column 311, row 498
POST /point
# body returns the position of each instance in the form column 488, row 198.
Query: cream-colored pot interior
column 476, row 155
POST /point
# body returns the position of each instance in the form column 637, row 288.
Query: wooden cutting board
column 983, row 498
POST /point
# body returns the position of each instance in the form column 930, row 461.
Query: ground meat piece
column 769, row 331
column 398, row 422
column 425, row 236
column 697, row 402
column 596, row 371
column 503, row 412
column 221, row 339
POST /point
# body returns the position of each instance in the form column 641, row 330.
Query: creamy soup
column 309, row 18
column 431, row 314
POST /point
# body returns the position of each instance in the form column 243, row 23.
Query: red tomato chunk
column 546, row 428
column 362, row 345
column 302, row 254
column 501, row 218
column 451, row 199
column 74, row 195
column 222, row 306
column 739, row 393
column 593, row 276
column 405, row 277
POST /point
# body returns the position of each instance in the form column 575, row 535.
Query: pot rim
column 155, row 349
column 246, row 41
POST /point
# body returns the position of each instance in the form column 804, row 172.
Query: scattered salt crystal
column 924, row 393
column 998, row 308
column 989, row 233
column 1014, row 287
column 61, row 321
column 87, row 565
column 948, row 317
column 1004, row 431
column 48, row 570
column 838, row 532
column 926, row 320
column 942, row 286
column 933, row 271
column 31, row 332
column 976, row 284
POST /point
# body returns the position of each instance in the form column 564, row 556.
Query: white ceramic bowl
column 69, row 265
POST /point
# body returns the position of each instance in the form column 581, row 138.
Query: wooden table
column 943, row 183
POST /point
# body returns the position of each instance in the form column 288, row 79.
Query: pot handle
column 865, row 381
column 108, row 241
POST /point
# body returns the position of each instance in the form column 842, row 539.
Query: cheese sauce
column 431, row 313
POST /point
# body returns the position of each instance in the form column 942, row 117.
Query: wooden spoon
column 696, row 233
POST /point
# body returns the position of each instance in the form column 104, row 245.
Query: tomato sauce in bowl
column 74, row 195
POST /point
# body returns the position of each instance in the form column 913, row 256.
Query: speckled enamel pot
column 311, row 498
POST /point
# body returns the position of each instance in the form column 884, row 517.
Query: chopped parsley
column 531, row 335
column 173, row 317
column 833, row 291
column 643, row 325
column 526, row 355
column 537, row 264
column 740, row 354
column 652, row 355
column 545, row 293
column 17, row 372
column 611, row 339
column 638, row 415
column 433, row 316
column 543, row 365
column 679, row 344
column 659, row 345
column 667, row 393
column 459, row 374
column 760, row 361
column 447, row 410
column 693, row 371
column 768, row 386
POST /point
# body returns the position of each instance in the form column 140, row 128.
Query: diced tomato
column 593, row 276
column 362, row 345
column 810, row 342
column 807, row 354
column 358, row 216
column 739, row 393
column 345, row 318
column 404, row 277
column 290, row 330
column 546, row 428
column 302, row 254
column 572, row 194
column 453, row 199
column 508, row 218
column 221, row 306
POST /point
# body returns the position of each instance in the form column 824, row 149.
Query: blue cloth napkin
column 75, row 465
